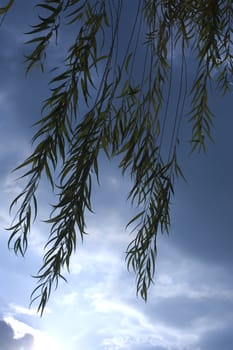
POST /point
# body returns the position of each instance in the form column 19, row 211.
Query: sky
column 190, row 305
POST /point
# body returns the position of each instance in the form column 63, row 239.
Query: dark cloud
column 218, row 339
column 15, row 87
column 183, row 312
column 21, row 96
column 179, row 311
column 202, row 215
column 8, row 342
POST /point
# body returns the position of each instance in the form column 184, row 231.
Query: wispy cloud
column 21, row 310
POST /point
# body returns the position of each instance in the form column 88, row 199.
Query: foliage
column 126, row 114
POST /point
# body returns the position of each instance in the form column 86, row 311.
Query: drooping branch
column 111, row 93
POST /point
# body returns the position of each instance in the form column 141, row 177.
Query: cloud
column 218, row 339
column 186, row 303
column 10, row 341
column 19, row 335
column 20, row 310
column 184, row 307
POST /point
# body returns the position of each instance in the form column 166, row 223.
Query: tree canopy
column 110, row 94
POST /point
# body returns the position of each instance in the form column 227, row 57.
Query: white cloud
column 130, row 324
column 104, row 296
column 11, row 185
column 169, row 287
column 20, row 328
column 21, row 310
column 181, row 275
column 41, row 339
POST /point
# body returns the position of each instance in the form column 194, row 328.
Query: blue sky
column 190, row 305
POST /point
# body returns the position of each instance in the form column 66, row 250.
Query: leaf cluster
column 106, row 99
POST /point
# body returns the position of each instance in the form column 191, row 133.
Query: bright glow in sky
column 190, row 305
column 44, row 342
